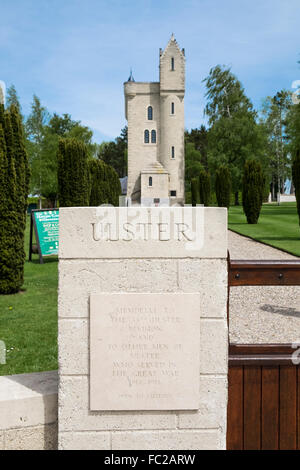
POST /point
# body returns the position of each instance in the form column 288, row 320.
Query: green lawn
column 28, row 320
column 277, row 226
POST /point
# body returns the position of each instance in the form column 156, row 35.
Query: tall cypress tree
column 14, row 183
column 194, row 191
column 204, row 187
column 105, row 184
column 223, row 186
column 73, row 173
column 11, row 170
column 253, row 186
column 11, row 254
column 21, row 161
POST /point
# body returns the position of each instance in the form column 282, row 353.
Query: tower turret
column 172, row 89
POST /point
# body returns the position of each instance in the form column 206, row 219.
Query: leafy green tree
column 194, row 191
column 35, row 130
column 65, row 126
column 293, row 137
column 73, row 173
column 193, row 160
column 14, row 182
column 274, row 117
column 253, row 185
column 234, row 135
column 105, row 184
column 296, row 179
column 115, row 153
column 44, row 131
column 199, row 137
column 223, row 186
column 204, row 187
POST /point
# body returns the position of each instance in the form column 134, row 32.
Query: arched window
column 173, row 152
column 150, row 180
column 172, row 63
column 150, row 113
column 172, row 108
column 153, row 137
column 146, row 136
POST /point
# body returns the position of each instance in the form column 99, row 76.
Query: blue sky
column 76, row 54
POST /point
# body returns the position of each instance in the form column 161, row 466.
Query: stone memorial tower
column 155, row 115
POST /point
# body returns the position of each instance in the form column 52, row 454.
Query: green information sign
column 46, row 224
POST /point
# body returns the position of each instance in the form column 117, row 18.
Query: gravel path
column 262, row 314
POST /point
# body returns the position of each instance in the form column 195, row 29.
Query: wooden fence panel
column 270, row 408
column 264, row 382
column 252, row 407
column 235, row 426
column 264, row 398
column 288, row 408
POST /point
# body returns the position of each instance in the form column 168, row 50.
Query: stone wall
column 138, row 96
column 28, row 411
column 90, row 265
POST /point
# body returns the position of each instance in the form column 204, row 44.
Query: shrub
column 14, row 184
column 194, row 191
column 204, row 187
column 73, row 173
column 223, row 186
column 105, row 184
column 253, row 189
column 296, row 179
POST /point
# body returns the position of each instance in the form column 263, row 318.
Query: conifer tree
column 13, row 197
column 21, row 163
column 223, row 186
column 194, row 191
column 204, row 187
column 105, row 184
column 73, row 173
column 253, row 186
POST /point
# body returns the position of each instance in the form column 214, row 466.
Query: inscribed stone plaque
column 144, row 351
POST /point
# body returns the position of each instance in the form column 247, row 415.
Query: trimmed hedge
column 223, row 186
column 253, row 190
column 194, row 191
column 73, row 173
column 14, row 188
column 204, row 187
column 105, row 184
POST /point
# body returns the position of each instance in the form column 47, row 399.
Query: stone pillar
column 110, row 346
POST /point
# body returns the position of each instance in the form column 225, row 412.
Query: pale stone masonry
column 155, row 115
column 28, row 410
column 90, row 265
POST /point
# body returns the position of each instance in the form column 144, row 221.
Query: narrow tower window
column 173, row 152
column 146, row 136
column 172, row 64
column 150, row 180
column 172, row 108
column 150, row 113
column 153, row 137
